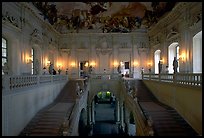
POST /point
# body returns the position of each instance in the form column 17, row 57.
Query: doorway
column 83, row 69
column 125, row 68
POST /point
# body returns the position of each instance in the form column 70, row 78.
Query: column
column 93, row 112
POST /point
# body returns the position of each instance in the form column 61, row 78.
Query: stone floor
column 105, row 120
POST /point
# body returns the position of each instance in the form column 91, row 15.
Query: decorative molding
column 124, row 49
column 104, row 47
column 172, row 16
column 82, row 50
column 11, row 21
column 172, row 34
column 66, row 50
column 36, row 37
column 103, row 51
column 142, row 47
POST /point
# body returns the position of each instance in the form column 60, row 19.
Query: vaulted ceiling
column 124, row 17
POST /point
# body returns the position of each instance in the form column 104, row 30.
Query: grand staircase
column 49, row 120
column 166, row 120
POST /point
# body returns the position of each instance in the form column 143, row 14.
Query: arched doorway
column 132, row 126
column 173, row 51
column 105, row 114
column 156, row 60
column 197, row 53
column 82, row 127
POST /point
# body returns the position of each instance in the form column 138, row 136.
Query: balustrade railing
column 17, row 82
column 105, row 76
column 144, row 123
column 193, row 79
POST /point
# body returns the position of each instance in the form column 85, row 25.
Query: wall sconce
column 162, row 61
column 182, row 57
column 59, row 66
column 48, row 63
column 93, row 64
column 135, row 64
column 149, row 64
column 115, row 64
column 29, row 60
column 73, row 64
column 86, row 64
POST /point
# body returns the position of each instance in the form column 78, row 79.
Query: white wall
column 197, row 53
column 19, row 107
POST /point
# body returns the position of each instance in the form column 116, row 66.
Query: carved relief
column 172, row 36
column 142, row 47
column 36, row 37
column 7, row 18
column 103, row 46
column 196, row 18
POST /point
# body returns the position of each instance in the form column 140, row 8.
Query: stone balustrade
column 10, row 83
column 192, row 79
column 144, row 124
column 104, row 76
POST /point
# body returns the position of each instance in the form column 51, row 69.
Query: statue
column 160, row 66
column 51, row 68
column 175, row 65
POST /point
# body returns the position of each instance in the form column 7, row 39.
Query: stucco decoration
column 64, row 48
column 104, row 46
column 172, row 36
column 142, row 47
column 36, row 37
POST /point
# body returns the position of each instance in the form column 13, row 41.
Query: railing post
column 174, row 78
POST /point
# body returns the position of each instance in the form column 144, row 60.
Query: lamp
column 48, row 62
column 135, row 63
column 93, row 64
column 86, row 64
column 73, row 64
column 115, row 63
column 182, row 57
column 29, row 60
column 149, row 64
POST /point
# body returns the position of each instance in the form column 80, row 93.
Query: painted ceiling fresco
column 105, row 17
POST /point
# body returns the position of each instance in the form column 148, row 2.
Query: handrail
column 71, row 116
column 192, row 79
column 23, row 81
column 143, row 122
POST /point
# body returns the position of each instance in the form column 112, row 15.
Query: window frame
column 6, row 49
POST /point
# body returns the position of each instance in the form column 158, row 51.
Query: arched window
column 4, row 53
column 173, row 52
column 197, row 53
column 156, row 60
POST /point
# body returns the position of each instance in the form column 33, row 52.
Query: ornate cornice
column 171, row 16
